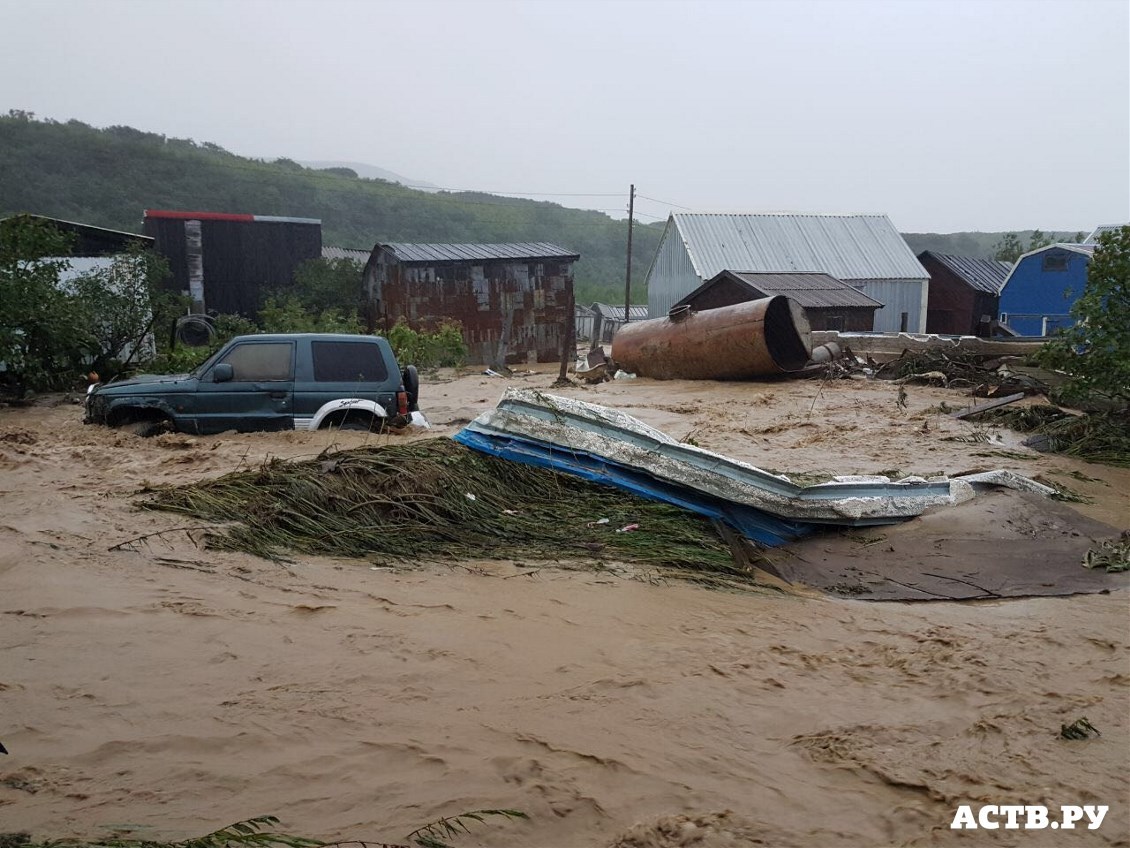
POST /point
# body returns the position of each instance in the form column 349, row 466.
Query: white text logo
column 1014, row 817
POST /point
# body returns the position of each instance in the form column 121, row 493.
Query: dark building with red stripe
column 229, row 263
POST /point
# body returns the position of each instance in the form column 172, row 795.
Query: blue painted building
column 1038, row 293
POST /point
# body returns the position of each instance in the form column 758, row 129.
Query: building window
column 1055, row 261
column 834, row 322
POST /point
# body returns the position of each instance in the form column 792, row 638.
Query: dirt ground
column 169, row 691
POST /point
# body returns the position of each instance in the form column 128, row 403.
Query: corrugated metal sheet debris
column 848, row 247
column 987, row 275
column 478, row 252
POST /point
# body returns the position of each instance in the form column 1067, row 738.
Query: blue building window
column 1055, row 262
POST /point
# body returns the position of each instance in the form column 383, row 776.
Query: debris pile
column 436, row 499
column 1095, row 437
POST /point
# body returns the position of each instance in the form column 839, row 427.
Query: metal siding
column 898, row 296
column 527, row 303
column 1032, row 294
column 672, row 274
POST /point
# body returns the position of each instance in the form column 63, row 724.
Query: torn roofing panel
column 557, row 428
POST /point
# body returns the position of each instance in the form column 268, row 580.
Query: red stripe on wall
column 197, row 216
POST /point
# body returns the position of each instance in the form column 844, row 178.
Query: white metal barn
column 864, row 251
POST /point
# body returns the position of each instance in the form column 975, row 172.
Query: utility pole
column 628, row 275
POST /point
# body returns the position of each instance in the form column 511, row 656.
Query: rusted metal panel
column 753, row 339
column 512, row 311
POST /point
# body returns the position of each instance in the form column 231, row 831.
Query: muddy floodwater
column 169, row 690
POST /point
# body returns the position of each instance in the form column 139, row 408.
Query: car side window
column 348, row 362
column 262, row 361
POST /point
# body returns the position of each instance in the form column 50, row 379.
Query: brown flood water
column 175, row 690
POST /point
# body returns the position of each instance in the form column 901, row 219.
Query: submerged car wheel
column 145, row 427
column 360, row 423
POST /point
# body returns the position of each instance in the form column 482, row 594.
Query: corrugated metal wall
column 520, row 307
column 897, row 297
column 242, row 262
column 672, row 275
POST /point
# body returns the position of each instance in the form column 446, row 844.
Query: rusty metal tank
column 757, row 338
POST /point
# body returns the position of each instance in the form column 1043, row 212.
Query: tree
column 322, row 284
column 1010, row 247
column 1096, row 350
column 37, row 320
column 121, row 304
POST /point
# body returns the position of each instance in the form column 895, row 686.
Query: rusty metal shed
column 514, row 301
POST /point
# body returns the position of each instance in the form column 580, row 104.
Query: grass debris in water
column 437, row 499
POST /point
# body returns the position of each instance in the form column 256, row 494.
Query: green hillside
column 107, row 177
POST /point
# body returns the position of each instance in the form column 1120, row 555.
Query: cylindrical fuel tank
column 753, row 339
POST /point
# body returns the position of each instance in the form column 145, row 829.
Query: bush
column 442, row 349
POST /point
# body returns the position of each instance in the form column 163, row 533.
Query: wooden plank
column 985, row 407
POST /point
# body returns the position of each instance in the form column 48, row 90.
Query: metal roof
column 477, row 252
column 1105, row 228
column 353, row 253
column 987, row 275
column 848, row 247
column 616, row 313
column 812, row 291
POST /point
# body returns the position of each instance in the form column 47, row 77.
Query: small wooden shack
column 514, row 301
column 830, row 304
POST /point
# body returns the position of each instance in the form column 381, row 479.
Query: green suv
column 292, row 381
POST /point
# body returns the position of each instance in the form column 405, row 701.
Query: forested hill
column 107, row 177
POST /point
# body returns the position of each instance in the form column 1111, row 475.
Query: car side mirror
column 223, row 373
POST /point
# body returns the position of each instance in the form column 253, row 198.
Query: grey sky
column 952, row 115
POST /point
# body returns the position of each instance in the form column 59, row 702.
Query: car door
column 259, row 393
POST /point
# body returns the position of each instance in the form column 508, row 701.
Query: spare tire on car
column 411, row 379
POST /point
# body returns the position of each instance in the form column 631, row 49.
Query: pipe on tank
column 757, row 338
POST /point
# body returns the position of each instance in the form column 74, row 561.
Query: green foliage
column 106, row 177
column 432, row 835
column 1010, row 247
column 321, row 284
column 287, row 314
column 120, row 307
column 443, row 348
column 1096, row 350
column 38, row 320
column 52, row 332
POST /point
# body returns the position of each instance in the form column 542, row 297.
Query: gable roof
column 1098, row 231
column 1087, row 250
column 987, row 275
column 477, row 252
column 812, row 291
column 616, row 313
column 847, row 247
column 89, row 239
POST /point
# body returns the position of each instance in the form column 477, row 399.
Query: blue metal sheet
column 750, row 522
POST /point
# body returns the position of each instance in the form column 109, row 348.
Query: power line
column 664, row 202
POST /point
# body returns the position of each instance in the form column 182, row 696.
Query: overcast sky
column 950, row 115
